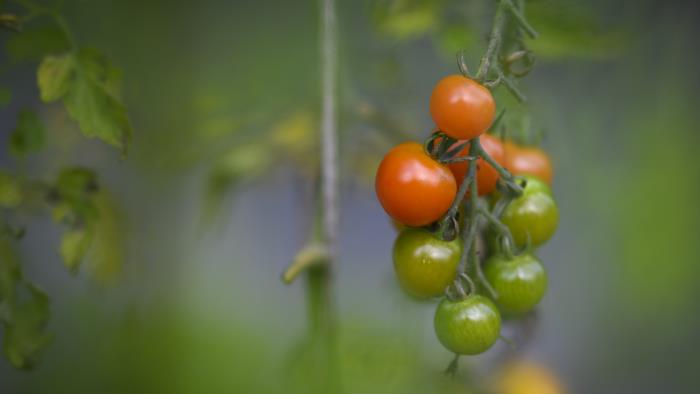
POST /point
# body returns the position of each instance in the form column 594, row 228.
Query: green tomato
column 533, row 215
column 469, row 326
column 519, row 282
column 424, row 264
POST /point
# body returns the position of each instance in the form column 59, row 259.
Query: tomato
column 424, row 264
column 413, row 188
column 533, row 215
column 461, row 107
column 527, row 377
column 469, row 326
column 519, row 282
column 486, row 175
column 520, row 160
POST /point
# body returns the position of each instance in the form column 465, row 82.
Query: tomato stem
column 494, row 43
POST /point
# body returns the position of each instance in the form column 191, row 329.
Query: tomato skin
column 461, row 107
column 519, row 282
column 533, row 215
column 523, row 160
column 413, row 188
column 469, row 326
column 486, row 175
column 424, row 264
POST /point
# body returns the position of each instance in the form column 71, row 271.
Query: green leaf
column 91, row 102
column 25, row 331
column 10, row 191
column 74, row 246
column 28, row 136
column 5, row 97
column 75, row 188
column 106, row 257
column 55, row 76
column 34, row 44
column 99, row 69
column 10, row 275
column 404, row 19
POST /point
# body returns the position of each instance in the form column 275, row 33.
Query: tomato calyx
column 457, row 290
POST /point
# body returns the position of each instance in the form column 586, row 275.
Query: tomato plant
column 413, row 188
column 424, row 264
column 461, row 107
column 520, row 281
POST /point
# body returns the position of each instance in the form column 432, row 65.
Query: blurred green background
column 214, row 197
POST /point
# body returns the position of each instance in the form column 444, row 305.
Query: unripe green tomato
column 519, row 282
column 424, row 264
column 533, row 215
column 469, row 326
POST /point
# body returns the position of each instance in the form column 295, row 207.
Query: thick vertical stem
column 319, row 278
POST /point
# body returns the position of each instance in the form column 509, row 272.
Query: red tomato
column 523, row 160
column 413, row 188
column 486, row 175
column 461, row 107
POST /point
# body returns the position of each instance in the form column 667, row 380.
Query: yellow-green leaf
column 74, row 245
column 10, row 191
column 55, row 75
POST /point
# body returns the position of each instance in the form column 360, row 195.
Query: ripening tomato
column 461, row 107
column 468, row 326
column 413, row 188
column 527, row 377
column 425, row 264
column 486, row 175
column 534, row 215
column 520, row 282
column 523, row 160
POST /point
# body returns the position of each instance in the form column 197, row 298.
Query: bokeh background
column 214, row 197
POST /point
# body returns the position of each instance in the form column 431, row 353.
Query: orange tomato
column 486, row 175
column 524, row 160
column 413, row 188
column 461, row 107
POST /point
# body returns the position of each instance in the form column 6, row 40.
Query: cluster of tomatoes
column 417, row 187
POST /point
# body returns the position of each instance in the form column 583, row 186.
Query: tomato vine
column 519, row 213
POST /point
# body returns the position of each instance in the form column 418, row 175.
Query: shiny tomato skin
column 412, row 187
column 469, row 326
column 520, row 282
column 462, row 108
column 533, row 216
column 486, row 175
column 525, row 160
column 425, row 264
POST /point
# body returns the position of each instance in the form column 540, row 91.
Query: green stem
column 494, row 42
column 520, row 19
column 472, row 219
column 502, row 172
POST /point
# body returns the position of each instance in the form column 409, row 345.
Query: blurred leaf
column 242, row 162
column 75, row 188
column 28, row 136
column 89, row 86
column 10, row 275
column 10, row 191
column 5, row 97
column 453, row 38
column 34, row 44
column 74, row 246
column 405, row 19
column 55, row 76
column 106, row 257
column 101, row 70
column 294, row 137
column 569, row 29
column 25, row 331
